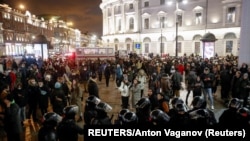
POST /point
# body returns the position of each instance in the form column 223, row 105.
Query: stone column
column 244, row 52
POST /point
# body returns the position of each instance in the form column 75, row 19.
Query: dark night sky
column 85, row 14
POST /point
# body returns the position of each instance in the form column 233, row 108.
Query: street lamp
column 21, row 6
column 161, row 38
column 177, row 22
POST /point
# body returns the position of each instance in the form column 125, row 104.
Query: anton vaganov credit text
column 164, row 132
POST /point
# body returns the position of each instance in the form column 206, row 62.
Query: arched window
column 116, row 41
column 197, row 44
column 229, row 42
column 146, row 42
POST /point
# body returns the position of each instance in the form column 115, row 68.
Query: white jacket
column 124, row 89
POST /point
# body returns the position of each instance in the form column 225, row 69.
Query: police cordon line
column 165, row 132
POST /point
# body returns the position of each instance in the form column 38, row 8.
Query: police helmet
column 51, row 118
column 130, row 118
column 122, row 113
column 175, row 101
column 143, row 103
column 70, row 111
column 235, row 103
column 159, row 116
column 103, row 107
column 199, row 102
column 181, row 107
column 93, row 99
column 243, row 112
column 198, row 114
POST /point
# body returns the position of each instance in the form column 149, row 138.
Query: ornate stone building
column 19, row 28
column 173, row 27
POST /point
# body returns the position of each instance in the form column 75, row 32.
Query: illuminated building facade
column 19, row 28
column 149, row 26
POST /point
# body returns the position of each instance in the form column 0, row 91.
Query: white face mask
column 40, row 84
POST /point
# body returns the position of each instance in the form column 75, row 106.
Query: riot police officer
column 48, row 131
column 102, row 117
column 200, row 115
column 119, row 120
column 143, row 109
column 229, row 115
column 90, row 111
column 159, row 117
column 67, row 129
column 130, row 119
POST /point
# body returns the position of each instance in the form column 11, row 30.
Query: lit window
column 109, row 11
column 197, row 46
column 198, row 18
column 146, row 47
column 229, row 46
column 146, row 23
column 131, row 6
column 179, row 47
column 118, row 9
column 128, row 46
column 231, row 13
column 162, row 47
column 162, row 22
column 119, row 25
column 162, row 2
column 131, row 23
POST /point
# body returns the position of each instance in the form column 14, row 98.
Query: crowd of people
column 149, row 88
column 29, row 87
column 165, row 78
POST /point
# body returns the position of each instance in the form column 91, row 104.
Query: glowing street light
column 21, row 7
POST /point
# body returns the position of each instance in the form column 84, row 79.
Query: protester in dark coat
column 58, row 99
column 43, row 97
column 107, row 73
column 12, row 121
column 21, row 99
column 33, row 93
column 92, row 86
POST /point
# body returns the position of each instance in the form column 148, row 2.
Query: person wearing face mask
column 20, row 97
column 43, row 97
column 33, row 93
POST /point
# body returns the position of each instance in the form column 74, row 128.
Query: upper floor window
column 119, row 25
column 146, row 4
column 231, row 13
column 179, row 19
column 6, row 15
column 162, row 2
column 162, row 22
column 118, row 9
column 131, row 23
column 131, row 6
column 146, row 23
column 109, row 11
column 198, row 18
